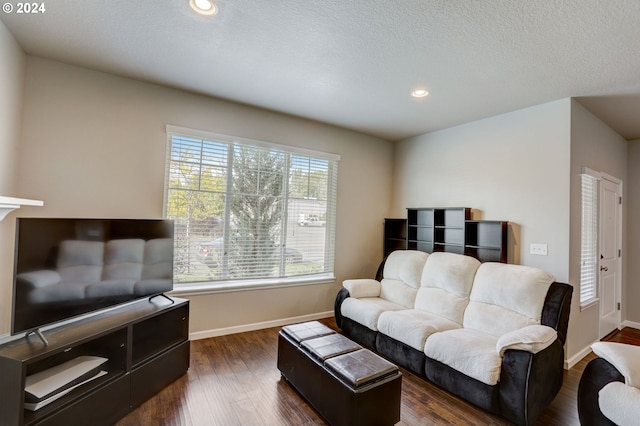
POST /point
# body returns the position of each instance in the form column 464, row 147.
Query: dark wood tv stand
column 146, row 342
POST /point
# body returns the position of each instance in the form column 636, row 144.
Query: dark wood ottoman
column 346, row 384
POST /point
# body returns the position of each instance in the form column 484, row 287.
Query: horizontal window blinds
column 249, row 211
column 589, row 240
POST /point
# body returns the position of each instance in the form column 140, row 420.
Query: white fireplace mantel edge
column 9, row 204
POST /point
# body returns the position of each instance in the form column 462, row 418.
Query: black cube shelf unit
column 395, row 235
column 447, row 229
column 147, row 347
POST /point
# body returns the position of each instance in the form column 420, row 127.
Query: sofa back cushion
column 123, row 259
column 445, row 285
column 506, row 297
column 401, row 276
column 80, row 261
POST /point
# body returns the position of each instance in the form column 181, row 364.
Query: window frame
column 327, row 276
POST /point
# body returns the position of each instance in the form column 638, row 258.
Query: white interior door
column 610, row 281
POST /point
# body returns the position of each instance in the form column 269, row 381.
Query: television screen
column 69, row 267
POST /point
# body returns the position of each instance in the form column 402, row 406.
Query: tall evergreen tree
column 258, row 185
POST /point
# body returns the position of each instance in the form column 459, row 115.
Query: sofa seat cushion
column 367, row 311
column 620, row 403
column 470, row 352
column 412, row 326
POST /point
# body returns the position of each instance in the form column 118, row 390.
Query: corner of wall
column 12, row 69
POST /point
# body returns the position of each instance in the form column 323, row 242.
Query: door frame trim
column 619, row 263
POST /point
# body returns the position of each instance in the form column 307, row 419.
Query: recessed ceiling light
column 419, row 93
column 204, row 7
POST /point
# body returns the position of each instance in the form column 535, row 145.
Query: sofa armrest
column 529, row 382
column 337, row 305
column 533, row 338
column 360, row 288
column 625, row 358
column 38, row 279
column 620, row 403
column 556, row 309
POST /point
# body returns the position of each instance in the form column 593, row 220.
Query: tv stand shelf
column 147, row 346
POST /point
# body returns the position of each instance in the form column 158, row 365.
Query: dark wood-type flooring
column 233, row 380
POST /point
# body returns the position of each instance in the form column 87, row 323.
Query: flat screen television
column 65, row 268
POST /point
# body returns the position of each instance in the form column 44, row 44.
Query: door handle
column 604, row 268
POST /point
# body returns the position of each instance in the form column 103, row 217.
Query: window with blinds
column 248, row 210
column 589, row 240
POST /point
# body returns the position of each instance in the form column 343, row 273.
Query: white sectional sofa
column 491, row 333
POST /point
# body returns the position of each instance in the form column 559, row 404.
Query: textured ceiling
column 352, row 63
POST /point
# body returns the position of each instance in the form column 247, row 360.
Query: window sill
column 589, row 304
column 194, row 289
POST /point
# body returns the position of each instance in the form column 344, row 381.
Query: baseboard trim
column 584, row 352
column 569, row 363
column 630, row 324
column 258, row 325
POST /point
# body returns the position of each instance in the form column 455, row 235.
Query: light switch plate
column 538, row 249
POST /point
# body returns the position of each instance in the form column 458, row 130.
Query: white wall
column 594, row 145
column 93, row 145
column 512, row 167
column 12, row 64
